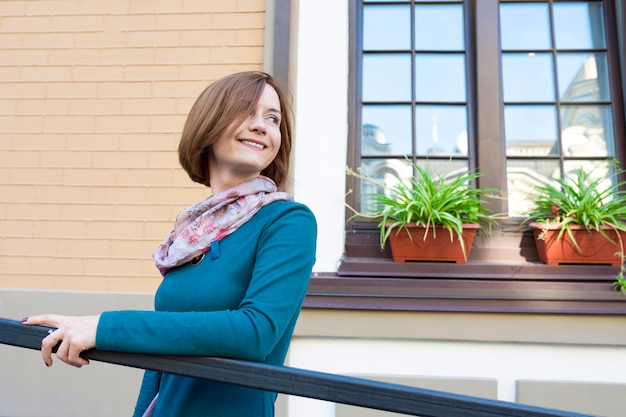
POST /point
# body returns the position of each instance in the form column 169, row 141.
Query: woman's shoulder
column 283, row 209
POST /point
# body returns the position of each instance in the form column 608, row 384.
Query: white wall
column 320, row 72
column 505, row 362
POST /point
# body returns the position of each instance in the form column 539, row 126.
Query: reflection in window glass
column 523, row 175
column 596, row 169
column 386, row 130
column 387, row 77
column 530, row 130
column 440, row 78
column 525, row 26
column 386, row 27
column 587, row 130
column 439, row 27
column 578, row 25
column 441, row 130
column 385, row 171
column 527, row 77
column 450, row 168
column 583, row 77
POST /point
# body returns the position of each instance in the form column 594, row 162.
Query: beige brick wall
column 93, row 96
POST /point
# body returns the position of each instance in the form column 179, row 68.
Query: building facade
column 94, row 95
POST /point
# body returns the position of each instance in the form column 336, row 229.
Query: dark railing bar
column 299, row 382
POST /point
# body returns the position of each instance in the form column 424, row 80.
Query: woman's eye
column 274, row 119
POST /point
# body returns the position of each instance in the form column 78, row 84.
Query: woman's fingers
column 47, row 344
column 73, row 335
column 49, row 320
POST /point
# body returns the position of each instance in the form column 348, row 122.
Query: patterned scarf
column 213, row 219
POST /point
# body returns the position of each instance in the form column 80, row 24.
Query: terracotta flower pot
column 594, row 248
column 416, row 248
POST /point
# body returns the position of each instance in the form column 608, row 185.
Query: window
column 522, row 91
column 558, row 112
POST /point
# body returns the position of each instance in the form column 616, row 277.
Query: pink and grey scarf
column 212, row 219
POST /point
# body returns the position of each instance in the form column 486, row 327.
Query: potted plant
column 428, row 214
column 581, row 219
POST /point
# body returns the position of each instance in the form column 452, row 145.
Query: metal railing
column 318, row 385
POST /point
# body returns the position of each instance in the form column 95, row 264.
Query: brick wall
column 93, row 96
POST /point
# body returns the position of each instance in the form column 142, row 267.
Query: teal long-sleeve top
column 240, row 301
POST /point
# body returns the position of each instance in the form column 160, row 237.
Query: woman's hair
column 229, row 100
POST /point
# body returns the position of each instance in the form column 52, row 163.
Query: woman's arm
column 284, row 258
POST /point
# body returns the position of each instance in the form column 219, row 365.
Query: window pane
column 528, row 77
column 579, row 25
column 583, row 77
column 440, row 78
column 386, row 27
column 386, row 171
column 450, row 168
column 525, row 26
column 441, row 130
column 587, row 130
column 530, row 130
column 439, row 27
column 522, row 177
column 386, row 130
column 387, row 77
column 596, row 169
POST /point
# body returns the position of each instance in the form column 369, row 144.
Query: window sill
column 477, row 294
column 498, row 277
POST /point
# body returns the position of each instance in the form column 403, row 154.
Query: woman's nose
column 257, row 123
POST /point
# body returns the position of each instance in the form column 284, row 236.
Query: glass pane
column 579, row 25
column 583, row 77
column 530, row 130
column 386, row 27
column 596, row 169
column 587, row 130
column 386, row 130
column 440, row 77
column 528, row 77
column 441, row 130
column 522, row 178
column 439, row 27
column 450, row 168
column 525, row 26
column 386, row 171
column 387, row 77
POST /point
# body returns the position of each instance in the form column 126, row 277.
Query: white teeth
column 254, row 144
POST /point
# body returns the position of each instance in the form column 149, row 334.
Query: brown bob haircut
column 228, row 100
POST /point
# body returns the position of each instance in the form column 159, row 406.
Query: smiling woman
column 235, row 267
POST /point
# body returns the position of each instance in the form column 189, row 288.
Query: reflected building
column 582, row 135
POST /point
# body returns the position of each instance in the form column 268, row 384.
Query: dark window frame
column 503, row 273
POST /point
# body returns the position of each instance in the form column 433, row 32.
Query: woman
column 235, row 267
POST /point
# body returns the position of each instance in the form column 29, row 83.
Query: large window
column 523, row 91
column 417, row 79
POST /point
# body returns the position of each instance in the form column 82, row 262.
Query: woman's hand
column 75, row 334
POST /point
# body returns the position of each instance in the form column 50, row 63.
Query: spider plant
column 583, row 199
column 428, row 200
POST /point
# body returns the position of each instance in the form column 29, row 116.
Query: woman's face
column 248, row 148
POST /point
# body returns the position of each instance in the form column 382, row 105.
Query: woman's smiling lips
column 253, row 144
